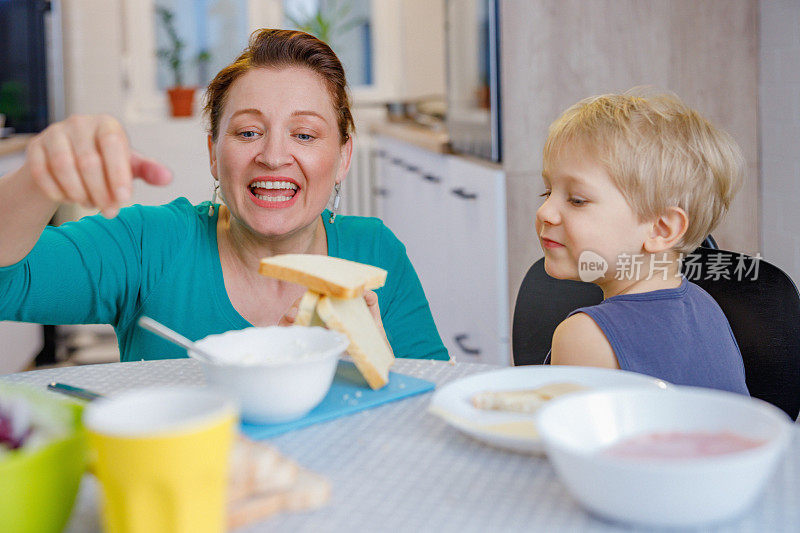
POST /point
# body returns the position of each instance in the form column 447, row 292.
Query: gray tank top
column 679, row 335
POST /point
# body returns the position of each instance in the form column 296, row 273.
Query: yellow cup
column 161, row 456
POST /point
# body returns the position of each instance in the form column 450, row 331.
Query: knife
column 75, row 392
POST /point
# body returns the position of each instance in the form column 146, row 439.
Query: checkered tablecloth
column 398, row 468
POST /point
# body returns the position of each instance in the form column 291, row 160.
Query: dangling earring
column 336, row 200
column 213, row 199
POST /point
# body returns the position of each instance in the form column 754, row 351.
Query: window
column 214, row 33
column 345, row 25
column 360, row 31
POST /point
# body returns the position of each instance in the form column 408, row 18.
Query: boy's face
column 584, row 213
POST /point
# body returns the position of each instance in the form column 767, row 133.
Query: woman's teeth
column 273, row 185
column 272, row 198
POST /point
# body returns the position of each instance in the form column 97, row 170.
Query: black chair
column 543, row 302
column 760, row 301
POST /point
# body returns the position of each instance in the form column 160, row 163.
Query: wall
column 423, row 72
column 92, row 33
column 555, row 52
column 779, row 106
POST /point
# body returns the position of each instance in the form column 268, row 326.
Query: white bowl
column 275, row 374
column 670, row 492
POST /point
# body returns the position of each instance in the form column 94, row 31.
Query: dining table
column 397, row 467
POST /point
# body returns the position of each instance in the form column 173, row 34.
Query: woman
column 279, row 144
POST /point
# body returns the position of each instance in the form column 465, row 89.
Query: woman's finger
column 372, row 304
column 81, row 133
column 150, row 171
column 290, row 315
column 112, row 144
column 371, row 297
column 36, row 160
column 62, row 166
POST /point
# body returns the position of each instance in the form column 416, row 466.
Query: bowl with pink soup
column 680, row 457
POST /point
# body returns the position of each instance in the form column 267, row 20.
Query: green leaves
column 174, row 52
column 326, row 24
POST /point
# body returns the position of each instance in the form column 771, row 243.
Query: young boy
column 631, row 184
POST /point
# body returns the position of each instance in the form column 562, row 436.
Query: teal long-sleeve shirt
column 163, row 262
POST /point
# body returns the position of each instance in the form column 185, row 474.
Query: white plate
column 516, row 431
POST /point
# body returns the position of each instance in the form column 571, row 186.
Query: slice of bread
column 519, row 401
column 264, row 482
column 369, row 349
column 323, row 274
column 256, row 467
column 523, row 400
column 307, row 310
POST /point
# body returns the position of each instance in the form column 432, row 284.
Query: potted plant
column 181, row 97
column 327, row 21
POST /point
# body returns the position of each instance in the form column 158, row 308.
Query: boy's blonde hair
column 659, row 153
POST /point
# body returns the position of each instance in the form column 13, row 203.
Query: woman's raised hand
column 87, row 160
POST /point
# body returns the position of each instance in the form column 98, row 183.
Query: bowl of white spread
column 275, row 374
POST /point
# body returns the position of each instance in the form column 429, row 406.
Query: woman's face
column 278, row 153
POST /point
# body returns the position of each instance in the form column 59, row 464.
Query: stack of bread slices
column 334, row 299
column 263, row 482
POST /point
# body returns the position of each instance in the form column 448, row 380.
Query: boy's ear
column 667, row 230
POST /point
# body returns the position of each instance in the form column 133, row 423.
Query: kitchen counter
column 14, row 144
column 433, row 140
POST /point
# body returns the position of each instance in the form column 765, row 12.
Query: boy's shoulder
column 579, row 340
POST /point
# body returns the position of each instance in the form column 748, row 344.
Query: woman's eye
column 305, row 136
column 545, row 194
column 248, row 134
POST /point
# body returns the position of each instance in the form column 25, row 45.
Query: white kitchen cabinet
column 449, row 211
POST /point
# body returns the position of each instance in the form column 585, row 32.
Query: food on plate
column 681, row 445
column 523, row 400
column 335, row 299
column 264, row 482
column 324, row 274
column 551, row 390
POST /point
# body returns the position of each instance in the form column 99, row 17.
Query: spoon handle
column 75, row 392
column 163, row 331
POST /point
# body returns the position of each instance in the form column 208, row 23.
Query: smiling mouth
column 273, row 191
column 548, row 243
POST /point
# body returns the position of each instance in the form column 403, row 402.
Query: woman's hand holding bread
column 340, row 296
column 371, row 297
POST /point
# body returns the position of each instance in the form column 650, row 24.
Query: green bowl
column 38, row 487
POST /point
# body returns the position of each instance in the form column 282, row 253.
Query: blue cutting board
column 349, row 394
